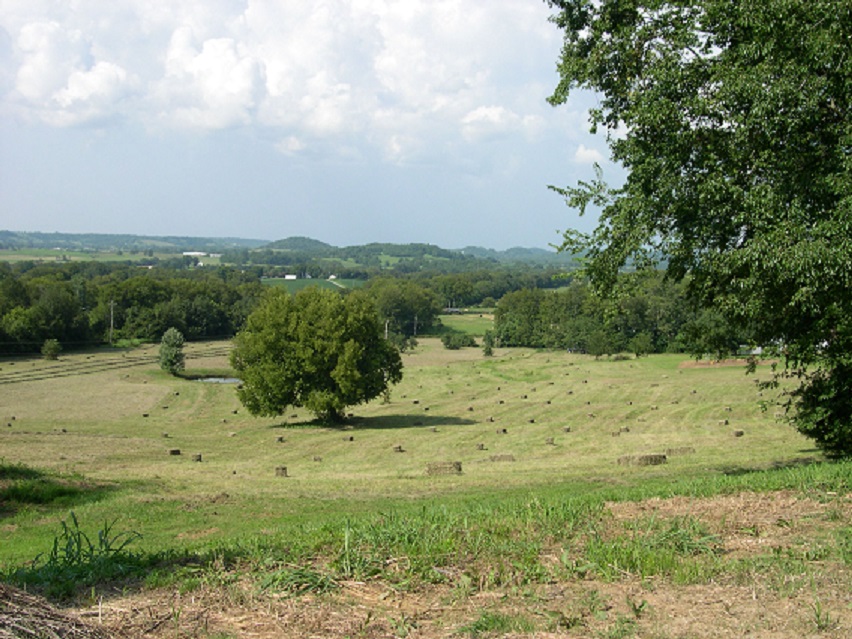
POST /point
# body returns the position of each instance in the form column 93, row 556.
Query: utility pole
column 111, row 319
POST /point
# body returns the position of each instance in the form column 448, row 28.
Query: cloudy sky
column 349, row 121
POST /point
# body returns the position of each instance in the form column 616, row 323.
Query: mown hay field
column 529, row 494
column 520, row 421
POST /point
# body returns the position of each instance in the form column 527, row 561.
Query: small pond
column 220, row 380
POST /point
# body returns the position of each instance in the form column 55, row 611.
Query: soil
column 759, row 604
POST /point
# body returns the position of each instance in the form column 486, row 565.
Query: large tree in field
column 732, row 120
column 316, row 349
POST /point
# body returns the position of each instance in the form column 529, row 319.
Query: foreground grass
column 487, row 541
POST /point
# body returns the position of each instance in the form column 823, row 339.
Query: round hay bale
column 398, row 449
column 281, row 471
column 480, row 446
column 502, row 458
column 174, row 451
column 566, row 429
column 196, row 457
column 739, row 433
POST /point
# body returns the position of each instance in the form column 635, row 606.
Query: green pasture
column 474, row 323
column 294, row 286
column 98, row 433
column 63, row 255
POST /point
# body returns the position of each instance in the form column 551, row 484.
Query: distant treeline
column 87, row 303
column 650, row 315
column 307, row 257
column 114, row 242
column 84, row 303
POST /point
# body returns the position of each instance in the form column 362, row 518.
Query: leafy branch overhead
column 732, row 120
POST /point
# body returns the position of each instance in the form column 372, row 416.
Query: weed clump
column 78, row 560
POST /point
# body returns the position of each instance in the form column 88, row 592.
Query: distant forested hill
column 306, row 257
column 109, row 242
column 293, row 251
column 377, row 252
column 518, row 254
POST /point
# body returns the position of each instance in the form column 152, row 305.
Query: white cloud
column 489, row 121
column 406, row 78
column 585, row 155
column 291, row 145
column 60, row 80
column 212, row 86
column 49, row 55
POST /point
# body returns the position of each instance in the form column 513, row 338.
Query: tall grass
column 78, row 560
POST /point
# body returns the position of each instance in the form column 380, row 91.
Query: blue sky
column 349, row 121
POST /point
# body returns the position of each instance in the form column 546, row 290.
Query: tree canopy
column 317, row 349
column 172, row 358
column 732, row 118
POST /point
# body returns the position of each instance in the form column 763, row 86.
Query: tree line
column 651, row 315
column 84, row 303
column 87, row 303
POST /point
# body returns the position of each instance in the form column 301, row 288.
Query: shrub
column 455, row 340
column 171, row 352
column 51, row 349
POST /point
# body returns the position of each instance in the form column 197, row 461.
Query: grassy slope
column 95, row 426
